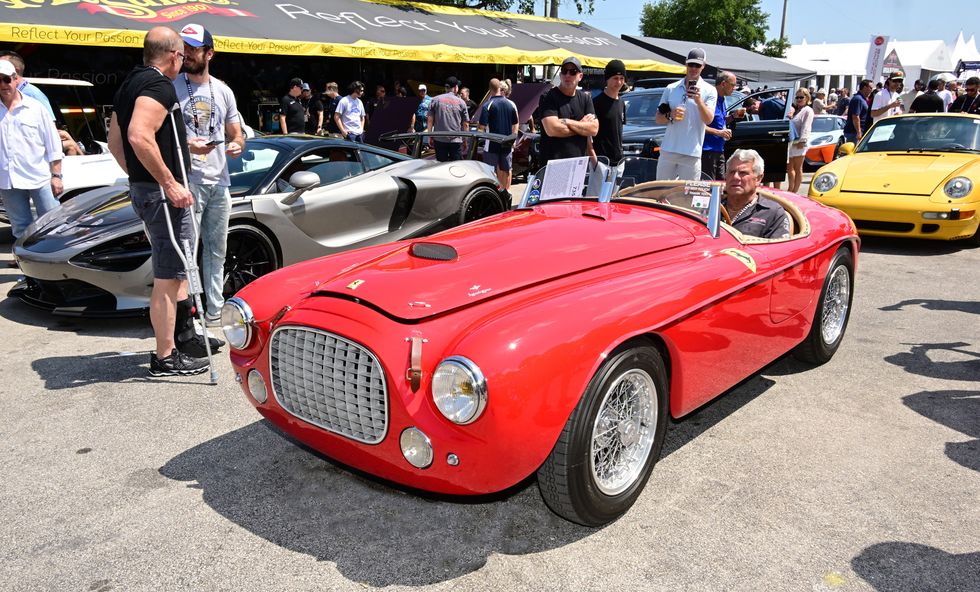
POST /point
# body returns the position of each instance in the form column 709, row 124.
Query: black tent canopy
column 747, row 65
column 378, row 29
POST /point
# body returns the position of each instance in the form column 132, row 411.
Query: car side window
column 331, row 164
column 374, row 161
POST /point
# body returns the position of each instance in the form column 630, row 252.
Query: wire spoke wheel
column 836, row 302
column 623, row 433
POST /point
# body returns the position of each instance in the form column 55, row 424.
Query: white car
column 826, row 138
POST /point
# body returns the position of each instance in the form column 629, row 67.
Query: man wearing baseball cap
column 610, row 112
column 292, row 120
column 567, row 116
column 687, row 106
column 887, row 102
column 214, row 132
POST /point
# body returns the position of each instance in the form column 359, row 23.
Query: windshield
column 826, row 124
column 921, row 134
column 249, row 169
column 692, row 197
column 641, row 108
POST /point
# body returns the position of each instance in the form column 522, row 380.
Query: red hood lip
column 498, row 256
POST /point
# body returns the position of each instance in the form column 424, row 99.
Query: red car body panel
column 538, row 298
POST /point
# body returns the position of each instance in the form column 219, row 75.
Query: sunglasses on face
column 569, row 71
column 6, row 79
column 801, row 97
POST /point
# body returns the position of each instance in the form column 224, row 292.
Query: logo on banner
column 876, row 57
column 148, row 11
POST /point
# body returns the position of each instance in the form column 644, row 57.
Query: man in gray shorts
column 148, row 144
column 499, row 115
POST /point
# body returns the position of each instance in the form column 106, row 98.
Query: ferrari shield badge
column 353, row 285
column 742, row 256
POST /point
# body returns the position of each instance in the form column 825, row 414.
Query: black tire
column 568, row 480
column 480, row 202
column 250, row 255
column 819, row 346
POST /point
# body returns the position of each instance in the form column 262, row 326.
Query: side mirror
column 847, row 148
column 303, row 181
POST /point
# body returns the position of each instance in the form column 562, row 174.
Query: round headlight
column 825, row 182
column 236, row 322
column 459, row 390
column 958, row 187
column 416, row 447
column 256, row 386
column 822, row 140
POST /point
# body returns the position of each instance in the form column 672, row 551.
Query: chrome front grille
column 330, row 382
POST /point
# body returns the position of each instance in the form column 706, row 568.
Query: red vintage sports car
column 555, row 338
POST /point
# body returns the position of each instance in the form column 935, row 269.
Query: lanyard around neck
column 194, row 113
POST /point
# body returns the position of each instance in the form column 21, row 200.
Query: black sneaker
column 194, row 347
column 177, row 364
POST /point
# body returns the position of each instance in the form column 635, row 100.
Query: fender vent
column 435, row 251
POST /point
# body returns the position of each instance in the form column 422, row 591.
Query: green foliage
column 740, row 23
column 776, row 48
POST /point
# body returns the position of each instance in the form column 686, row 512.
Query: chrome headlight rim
column 244, row 312
column 820, row 182
column 478, row 381
column 967, row 185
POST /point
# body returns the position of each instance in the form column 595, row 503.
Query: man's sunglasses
column 6, row 79
column 570, row 71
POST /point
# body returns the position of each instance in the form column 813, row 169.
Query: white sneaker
column 212, row 320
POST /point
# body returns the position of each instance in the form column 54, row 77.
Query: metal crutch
column 188, row 254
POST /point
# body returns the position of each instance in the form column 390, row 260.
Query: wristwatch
column 57, row 176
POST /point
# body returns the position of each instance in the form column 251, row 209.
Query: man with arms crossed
column 144, row 141
column 687, row 106
column 567, row 116
column 214, row 132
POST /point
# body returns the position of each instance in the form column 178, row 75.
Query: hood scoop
column 434, row 251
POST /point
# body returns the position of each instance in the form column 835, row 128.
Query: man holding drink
column 687, row 106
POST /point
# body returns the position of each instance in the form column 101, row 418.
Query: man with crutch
column 146, row 143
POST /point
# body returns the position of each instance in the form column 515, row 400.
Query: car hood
column 500, row 255
column 82, row 218
column 909, row 173
column 641, row 133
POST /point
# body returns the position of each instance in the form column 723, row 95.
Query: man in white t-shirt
column 687, row 106
column 350, row 113
column 887, row 102
column 947, row 95
column 214, row 132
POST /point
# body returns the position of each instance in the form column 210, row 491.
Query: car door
column 351, row 205
column 769, row 137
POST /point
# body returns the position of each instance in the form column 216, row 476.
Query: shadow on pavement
column 957, row 410
column 910, row 246
column 907, row 567
column 375, row 534
column 940, row 305
column 918, row 361
column 64, row 372
column 16, row 311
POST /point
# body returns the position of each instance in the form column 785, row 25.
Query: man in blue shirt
column 499, row 115
column 857, row 111
column 421, row 115
column 716, row 132
column 772, row 108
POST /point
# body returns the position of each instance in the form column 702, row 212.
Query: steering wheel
column 724, row 214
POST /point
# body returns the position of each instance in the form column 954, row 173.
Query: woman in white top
column 802, row 122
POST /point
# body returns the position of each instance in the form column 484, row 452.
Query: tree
column 740, row 23
column 776, row 48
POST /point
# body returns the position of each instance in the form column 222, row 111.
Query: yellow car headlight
column 958, row 187
column 824, row 182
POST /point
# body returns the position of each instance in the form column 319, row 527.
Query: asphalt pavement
column 861, row 474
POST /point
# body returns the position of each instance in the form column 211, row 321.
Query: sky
column 819, row 21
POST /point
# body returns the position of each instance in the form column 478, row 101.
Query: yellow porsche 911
column 913, row 175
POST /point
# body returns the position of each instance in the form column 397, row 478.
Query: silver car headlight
column 958, row 187
column 822, row 140
column 825, row 182
column 236, row 322
column 459, row 390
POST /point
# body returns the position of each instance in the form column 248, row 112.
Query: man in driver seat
column 751, row 213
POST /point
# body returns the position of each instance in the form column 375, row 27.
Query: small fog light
column 256, row 386
column 416, row 448
column 452, row 460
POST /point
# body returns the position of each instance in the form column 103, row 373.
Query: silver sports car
column 294, row 198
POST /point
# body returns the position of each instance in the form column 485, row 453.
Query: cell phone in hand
column 215, row 142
